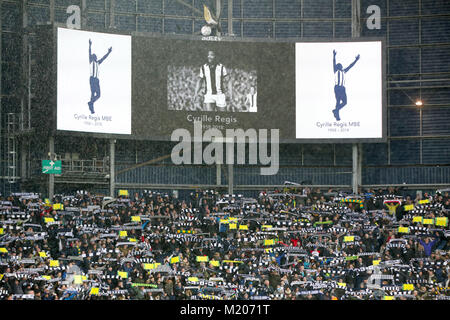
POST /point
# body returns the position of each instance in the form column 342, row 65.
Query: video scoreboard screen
column 339, row 90
column 145, row 87
column 93, row 82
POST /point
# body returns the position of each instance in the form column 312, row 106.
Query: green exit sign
column 51, row 167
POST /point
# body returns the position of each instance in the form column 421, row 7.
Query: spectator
column 427, row 245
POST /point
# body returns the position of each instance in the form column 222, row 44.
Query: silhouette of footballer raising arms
column 339, row 84
column 93, row 80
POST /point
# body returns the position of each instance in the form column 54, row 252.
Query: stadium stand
column 296, row 246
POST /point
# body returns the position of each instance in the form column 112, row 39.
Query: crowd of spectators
column 288, row 244
column 181, row 82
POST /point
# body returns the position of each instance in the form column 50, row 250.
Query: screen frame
column 59, row 132
column 383, row 137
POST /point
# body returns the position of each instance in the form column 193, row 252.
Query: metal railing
column 84, row 166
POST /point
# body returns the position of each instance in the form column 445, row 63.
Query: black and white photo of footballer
column 211, row 87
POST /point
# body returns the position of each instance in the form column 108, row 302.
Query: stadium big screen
column 145, row 87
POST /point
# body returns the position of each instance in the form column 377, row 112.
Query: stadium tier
column 281, row 245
